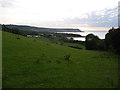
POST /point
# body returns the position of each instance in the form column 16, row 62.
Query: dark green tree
column 94, row 43
column 112, row 40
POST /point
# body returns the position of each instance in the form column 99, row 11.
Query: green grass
column 31, row 63
column 74, row 44
column 44, row 39
column 64, row 44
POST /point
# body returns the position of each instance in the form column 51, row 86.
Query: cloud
column 59, row 14
column 102, row 18
column 119, row 13
column 6, row 3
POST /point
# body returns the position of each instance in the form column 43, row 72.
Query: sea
column 100, row 34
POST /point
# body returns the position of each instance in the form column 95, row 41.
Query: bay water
column 100, row 34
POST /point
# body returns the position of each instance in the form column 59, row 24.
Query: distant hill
column 41, row 29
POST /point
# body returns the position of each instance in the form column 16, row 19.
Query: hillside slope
column 31, row 63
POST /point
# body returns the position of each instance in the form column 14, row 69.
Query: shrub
column 37, row 61
column 67, row 57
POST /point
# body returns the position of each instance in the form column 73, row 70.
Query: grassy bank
column 31, row 63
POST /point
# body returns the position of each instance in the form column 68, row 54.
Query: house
column 33, row 36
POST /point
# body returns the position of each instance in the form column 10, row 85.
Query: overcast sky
column 82, row 14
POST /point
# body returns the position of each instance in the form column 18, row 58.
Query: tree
column 15, row 31
column 94, row 43
column 11, row 30
column 112, row 40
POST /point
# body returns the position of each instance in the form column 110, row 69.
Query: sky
column 81, row 14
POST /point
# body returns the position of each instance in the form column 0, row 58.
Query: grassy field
column 44, row 39
column 64, row 44
column 31, row 63
column 74, row 44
